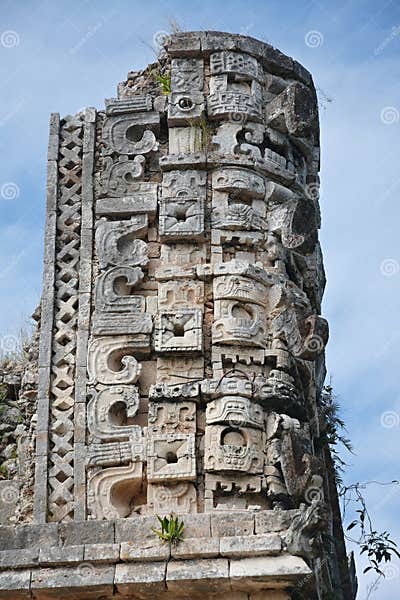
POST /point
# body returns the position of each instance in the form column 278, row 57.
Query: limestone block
column 293, row 111
column 12, row 559
column 145, row 578
column 243, row 182
column 278, row 392
column 185, row 140
column 225, row 140
column 266, row 571
column 192, row 548
column 115, row 453
column 268, row 521
column 139, row 325
column 175, row 392
column 236, row 215
column 135, row 528
column 127, row 206
column 227, row 386
column 197, row 526
column 252, row 545
column 184, row 183
column 144, row 550
column 184, row 44
column 95, row 580
column 232, row 524
column 197, row 160
column 241, row 323
column 234, row 99
column 101, row 553
column 28, row 536
column 178, row 330
column 183, row 254
column 137, row 103
column 58, row 556
column 15, row 585
column 118, row 243
column 206, row 576
column 171, row 457
column 228, row 448
column 224, row 491
column 237, row 287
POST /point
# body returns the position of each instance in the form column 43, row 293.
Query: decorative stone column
column 182, row 347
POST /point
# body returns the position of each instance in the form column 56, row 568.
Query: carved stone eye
column 232, row 437
column 185, row 103
column 134, row 133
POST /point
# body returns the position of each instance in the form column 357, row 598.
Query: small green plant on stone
column 164, row 79
column 171, row 529
column 3, row 472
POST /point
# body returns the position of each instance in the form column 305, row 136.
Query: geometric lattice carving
column 61, row 471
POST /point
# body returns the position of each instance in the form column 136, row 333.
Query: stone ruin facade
column 181, row 352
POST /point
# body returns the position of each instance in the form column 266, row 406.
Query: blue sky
column 63, row 56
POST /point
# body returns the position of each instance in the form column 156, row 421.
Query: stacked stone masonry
column 181, row 347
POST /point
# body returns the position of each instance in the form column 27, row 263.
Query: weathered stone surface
column 99, row 553
column 15, row 585
column 251, row 545
column 96, row 580
column 28, row 536
column 146, row 550
column 203, row 576
column 86, row 532
column 132, row 529
column 267, row 571
column 228, row 524
column 145, row 578
column 60, row 556
column 181, row 343
column 190, row 548
column 12, row 559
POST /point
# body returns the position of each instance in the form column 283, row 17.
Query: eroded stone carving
column 236, row 411
column 171, row 457
column 179, row 330
column 110, row 360
column 118, row 242
column 119, row 178
column 205, row 226
column 172, row 417
column 113, row 291
column 132, row 133
column 228, row 448
column 293, row 472
column 180, row 498
column 111, row 411
column 242, row 65
column 116, row 492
